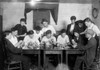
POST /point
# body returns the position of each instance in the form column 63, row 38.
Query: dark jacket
column 70, row 34
column 14, row 54
column 21, row 29
column 90, row 50
column 78, row 40
column 11, row 49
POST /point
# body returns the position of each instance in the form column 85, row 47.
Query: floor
column 59, row 66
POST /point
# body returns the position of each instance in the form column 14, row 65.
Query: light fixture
column 37, row 0
column 34, row 2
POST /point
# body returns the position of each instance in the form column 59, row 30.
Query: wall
column 96, row 4
column 1, row 13
column 1, row 16
column 29, row 21
column 62, row 1
column 66, row 10
column 12, row 12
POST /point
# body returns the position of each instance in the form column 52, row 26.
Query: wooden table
column 53, row 51
column 33, row 51
column 72, row 51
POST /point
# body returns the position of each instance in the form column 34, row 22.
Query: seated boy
column 38, row 32
column 30, row 41
column 49, row 40
column 63, row 39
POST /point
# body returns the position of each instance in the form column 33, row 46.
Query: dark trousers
column 1, row 64
column 25, row 61
column 78, row 62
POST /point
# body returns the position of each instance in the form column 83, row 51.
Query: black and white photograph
column 49, row 34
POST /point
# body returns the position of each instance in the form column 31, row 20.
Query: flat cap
column 89, row 31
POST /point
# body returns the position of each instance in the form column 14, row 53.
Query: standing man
column 91, row 25
column 21, row 28
column 90, row 49
column 71, row 27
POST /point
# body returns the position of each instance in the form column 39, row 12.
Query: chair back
column 6, row 50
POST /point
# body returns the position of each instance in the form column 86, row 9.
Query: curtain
column 53, row 8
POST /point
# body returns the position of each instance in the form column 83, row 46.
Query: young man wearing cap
column 90, row 49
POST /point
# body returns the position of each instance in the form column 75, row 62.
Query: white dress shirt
column 14, row 40
column 95, row 29
column 61, row 40
column 27, row 40
column 47, row 40
column 39, row 35
column 50, row 27
column 72, row 27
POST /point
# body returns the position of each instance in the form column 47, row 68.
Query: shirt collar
column 91, row 26
column 89, row 38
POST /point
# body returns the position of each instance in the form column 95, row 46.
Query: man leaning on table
column 90, row 49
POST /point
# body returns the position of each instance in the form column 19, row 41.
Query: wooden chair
column 14, row 65
column 10, row 64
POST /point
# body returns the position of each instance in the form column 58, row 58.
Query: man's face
column 22, row 23
column 63, row 34
column 48, row 35
column 87, row 24
column 9, row 36
column 73, row 21
column 31, row 35
column 14, row 33
column 45, row 24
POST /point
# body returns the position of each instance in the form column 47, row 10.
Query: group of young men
column 76, row 35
